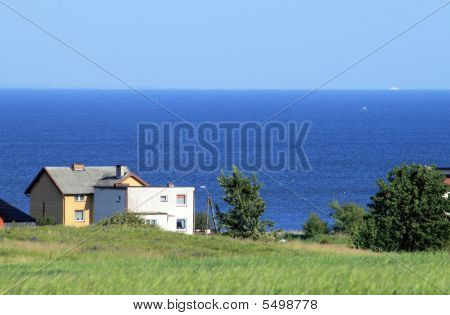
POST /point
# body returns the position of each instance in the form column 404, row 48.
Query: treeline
column 408, row 213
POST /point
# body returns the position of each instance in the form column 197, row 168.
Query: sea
column 355, row 138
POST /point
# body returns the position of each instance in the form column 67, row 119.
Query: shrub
column 44, row 221
column 200, row 220
column 366, row 235
column 247, row 206
column 348, row 217
column 314, row 226
column 123, row 218
column 408, row 213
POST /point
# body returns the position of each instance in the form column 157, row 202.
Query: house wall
column 147, row 200
column 106, row 204
column 45, row 197
column 130, row 181
column 70, row 205
column 162, row 220
column 447, row 182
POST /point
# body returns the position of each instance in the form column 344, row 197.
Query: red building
column 446, row 172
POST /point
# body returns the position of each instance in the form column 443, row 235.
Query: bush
column 348, row 217
column 123, row 218
column 366, row 235
column 314, row 226
column 408, row 213
column 44, row 221
column 200, row 220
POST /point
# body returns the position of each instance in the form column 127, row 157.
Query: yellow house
column 65, row 195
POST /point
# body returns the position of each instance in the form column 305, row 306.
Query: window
column 79, row 215
column 181, row 224
column 164, row 198
column 181, row 200
column 79, row 197
column 151, row 222
column 118, row 198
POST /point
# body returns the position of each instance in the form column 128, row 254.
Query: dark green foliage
column 200, row 220
column 44, row 221
column 366, row 235
column 348, row 217
column 247, row 206
column 314, row 226
column 408, row 213
column 123, row 218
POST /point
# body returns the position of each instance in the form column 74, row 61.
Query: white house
column 171, row 208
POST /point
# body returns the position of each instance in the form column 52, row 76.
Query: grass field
column 123, row 260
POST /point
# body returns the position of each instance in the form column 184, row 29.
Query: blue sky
column 225, row 44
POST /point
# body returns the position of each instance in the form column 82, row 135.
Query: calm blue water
column 348, row 148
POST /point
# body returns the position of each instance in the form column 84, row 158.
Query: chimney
column 77, row 167
column 120, row 171
column 170, row 185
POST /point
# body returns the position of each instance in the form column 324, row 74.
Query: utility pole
column 209, row 210
column 207, row 216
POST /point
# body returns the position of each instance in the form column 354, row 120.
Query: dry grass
column 328, row 248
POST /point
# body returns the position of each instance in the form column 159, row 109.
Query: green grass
column 123, row 260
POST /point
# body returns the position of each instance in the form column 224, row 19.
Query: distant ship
column 364, row 108
column 394, row 88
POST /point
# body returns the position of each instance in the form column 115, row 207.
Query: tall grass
column 123, row 260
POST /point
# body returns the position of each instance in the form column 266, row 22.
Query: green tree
column 200, row 220
column 314, row 226
column 243, row 219
column 408, row 213
column 348, row 217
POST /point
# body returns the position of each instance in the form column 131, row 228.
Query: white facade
column 171, row 208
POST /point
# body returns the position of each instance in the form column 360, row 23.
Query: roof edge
column 131, row 174
column 36, row 179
